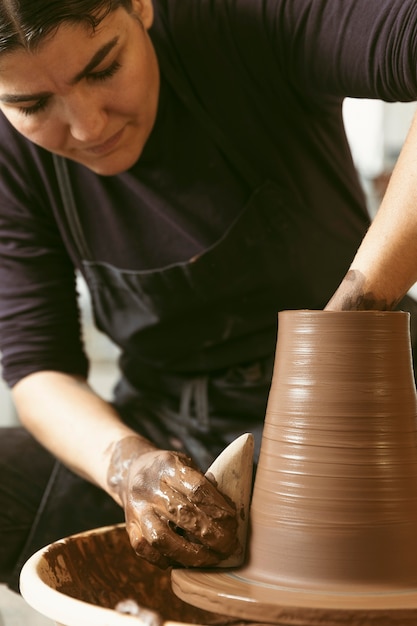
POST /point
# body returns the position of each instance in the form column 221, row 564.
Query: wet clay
column 334, row 511
column 101, row 568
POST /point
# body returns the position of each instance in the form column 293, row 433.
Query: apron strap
column 70, row 208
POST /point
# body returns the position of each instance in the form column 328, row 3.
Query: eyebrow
column 96, row 59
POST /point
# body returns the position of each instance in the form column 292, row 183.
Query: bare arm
column 159, row 490
column 73, row 423
column 385, row 266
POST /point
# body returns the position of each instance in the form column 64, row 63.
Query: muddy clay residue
column 101, row 568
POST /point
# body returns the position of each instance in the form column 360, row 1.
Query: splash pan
column 80, row 580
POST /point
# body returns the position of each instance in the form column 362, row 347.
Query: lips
column 106, row 146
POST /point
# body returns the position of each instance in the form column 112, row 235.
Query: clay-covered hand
column 174, row 515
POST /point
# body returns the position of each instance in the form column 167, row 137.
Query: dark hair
column 26, row 23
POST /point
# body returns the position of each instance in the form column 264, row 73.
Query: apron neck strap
column 70, row 207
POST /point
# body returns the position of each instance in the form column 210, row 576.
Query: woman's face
column 90, row 97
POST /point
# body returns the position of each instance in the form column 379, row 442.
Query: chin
column 110, row 165
column 107, row 170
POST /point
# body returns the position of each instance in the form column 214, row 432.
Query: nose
column 85, row 117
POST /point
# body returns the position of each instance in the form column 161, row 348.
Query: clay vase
column 338, row 469
column 334, row 510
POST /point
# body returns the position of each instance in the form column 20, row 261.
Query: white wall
column 376, row 131
column 7, row 412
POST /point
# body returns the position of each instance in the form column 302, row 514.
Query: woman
column 189, row 159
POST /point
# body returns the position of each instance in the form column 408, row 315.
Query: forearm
column 158, row 490
column 72, row 422
column 385, row 266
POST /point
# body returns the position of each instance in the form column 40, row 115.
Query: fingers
column 187, row 481
column 156, row 541
column 207, row 519
column 174, row 514
column 200, row 491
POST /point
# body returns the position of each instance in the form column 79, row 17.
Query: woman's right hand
column 174, row 515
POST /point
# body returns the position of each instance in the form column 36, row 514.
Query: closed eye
column 37, row 107
column 104, row 74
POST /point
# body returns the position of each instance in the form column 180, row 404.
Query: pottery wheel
column 231, row 593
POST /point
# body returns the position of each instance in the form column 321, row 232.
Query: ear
column 144, row 10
